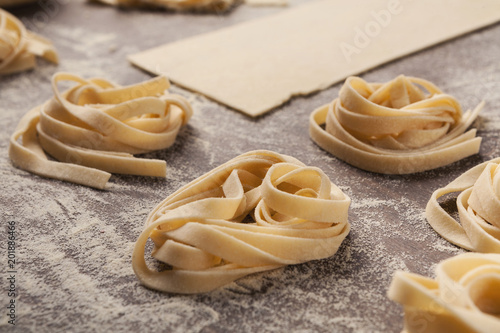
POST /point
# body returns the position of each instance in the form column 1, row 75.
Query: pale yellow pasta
column 19, row 47
column 464, row 297
column 256, row 212
column 94, row 128
column 478, row 206
column 173, row 4
column 396, row 127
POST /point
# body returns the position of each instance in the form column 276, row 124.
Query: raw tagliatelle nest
column 94, row 128
column 478, row 204
column 403, row 126
column 216, row 5
column 20, row 47
column 464, row 297
column 257, row 212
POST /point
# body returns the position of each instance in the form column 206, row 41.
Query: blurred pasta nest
column 464, row 297
column 20, row 47
column 204, row 5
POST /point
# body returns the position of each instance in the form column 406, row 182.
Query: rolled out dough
column 258, row 65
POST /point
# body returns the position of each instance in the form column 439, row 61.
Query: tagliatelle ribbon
column 217, row 5
column 478, row 206
column 19, row 47
column 203, row 230
column 173, row 4
column 464, row 297
column 94, row 128
column 395, row 127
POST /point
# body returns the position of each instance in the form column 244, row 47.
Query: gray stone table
column 74, row 249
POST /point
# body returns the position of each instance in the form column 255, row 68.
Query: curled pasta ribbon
column 395, row 127
column 203, row 230
column 478, row 207
column 173, row 4
column 464, row 297
column 19, row 47
column 95, row 127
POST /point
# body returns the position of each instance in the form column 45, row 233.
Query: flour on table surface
column 75, row 243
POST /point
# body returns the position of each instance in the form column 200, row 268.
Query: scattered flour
column 75, row 243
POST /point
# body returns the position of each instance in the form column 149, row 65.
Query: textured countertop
column 74, row 243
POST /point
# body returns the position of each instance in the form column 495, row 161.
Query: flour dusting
column 75, row 243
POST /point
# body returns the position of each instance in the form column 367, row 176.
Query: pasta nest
column 19, row 47
column 257, row 212
column 94, row 128
column 395, row 127
column 211, row 5
column 478, row 205
column 464, row 297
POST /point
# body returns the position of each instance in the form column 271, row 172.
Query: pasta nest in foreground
column 19, row 47
column 395, row 127
column 478, row 205
column 464, row 297
column 257, row 212
column 94, row 128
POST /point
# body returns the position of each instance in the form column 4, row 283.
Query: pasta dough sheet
column 258, row 65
